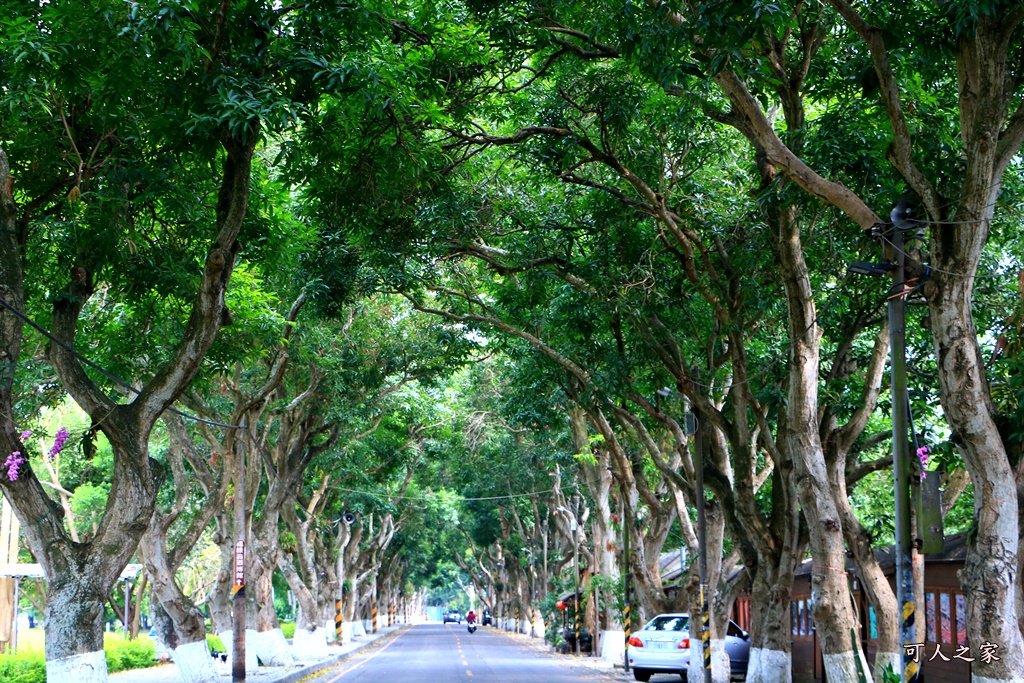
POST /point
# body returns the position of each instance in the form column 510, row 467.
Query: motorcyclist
column 471, row 618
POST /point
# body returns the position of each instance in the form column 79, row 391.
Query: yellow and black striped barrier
column 374, row 616
column 910, row 667
column 705, row 628
column 337, row 620
column 577, row 629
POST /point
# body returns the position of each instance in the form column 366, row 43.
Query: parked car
column 453, row 615
column 663, row 646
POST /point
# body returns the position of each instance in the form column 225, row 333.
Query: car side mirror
column 745, row 635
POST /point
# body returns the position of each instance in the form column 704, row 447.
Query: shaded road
column 432, row 653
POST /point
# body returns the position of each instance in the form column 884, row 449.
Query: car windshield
column 668, row 623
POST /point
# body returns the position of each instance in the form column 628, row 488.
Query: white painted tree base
column 228, row 638
column 539, row 628
column 613, row 647
column 719, row 661
column 309, row 645
column 842, row 668
column 346, row 632
column 272, row 648
column 770, row 666
column 358, row 630
column 329, row 633
column 88, row 668
column 194, row 663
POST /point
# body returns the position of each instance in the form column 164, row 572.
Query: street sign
column 239, row 565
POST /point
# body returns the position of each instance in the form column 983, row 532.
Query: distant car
column 663, row 646
column 485, row 620
column 453, row 615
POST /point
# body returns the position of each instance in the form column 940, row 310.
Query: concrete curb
column 316, row 667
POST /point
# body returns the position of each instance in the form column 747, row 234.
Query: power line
column 939, row 270
column 103, row 371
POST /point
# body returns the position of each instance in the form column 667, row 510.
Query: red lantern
column 560, row 605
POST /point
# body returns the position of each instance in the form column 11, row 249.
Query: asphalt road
column 432, row 653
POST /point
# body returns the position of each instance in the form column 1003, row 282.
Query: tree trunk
column 989, row 578
column 771, row 654
column 799, row 437
column 181, row 626
column 271, row 647
column 74, row 630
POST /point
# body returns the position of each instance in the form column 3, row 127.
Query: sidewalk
column 598, row 665
column 168, row 673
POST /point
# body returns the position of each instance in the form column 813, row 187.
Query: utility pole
column 576, row 566
column 892, row 234
column 238, row 602
column 901, row 450
column 627, row 620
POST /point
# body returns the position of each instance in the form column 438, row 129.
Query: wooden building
column 945, row 626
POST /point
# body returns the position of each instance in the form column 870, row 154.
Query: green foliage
column 288, row 628
column 23, row 668
column 890, row 675
column 123, row 655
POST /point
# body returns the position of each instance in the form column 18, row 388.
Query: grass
column 28, row 665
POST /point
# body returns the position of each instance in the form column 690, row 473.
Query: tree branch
column 900, row 154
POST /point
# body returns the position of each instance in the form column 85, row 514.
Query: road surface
column 435, row 653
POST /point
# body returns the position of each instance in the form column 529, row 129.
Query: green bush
column 129, row 654
column 122, row 655
column 288, row 627
column 27, row 668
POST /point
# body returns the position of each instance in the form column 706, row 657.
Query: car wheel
column 642, row 675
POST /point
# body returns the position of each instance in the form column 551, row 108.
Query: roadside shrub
column 288, row 627
column 23, row 668
column 123, row 655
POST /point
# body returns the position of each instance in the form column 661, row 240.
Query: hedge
column 122, row 655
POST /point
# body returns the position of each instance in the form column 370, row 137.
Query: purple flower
column 58, row 443
column 13, row 465
column 922, row 455
column 25, row 434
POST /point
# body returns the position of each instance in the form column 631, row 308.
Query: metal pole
column 373, row 608
column 238, row 602
column 626, row 619
column 17, row 599
column 595, row 649
column 901, row 461
column 705, row 616
column 127, row 610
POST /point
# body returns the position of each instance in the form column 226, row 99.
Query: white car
column 663, row 646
